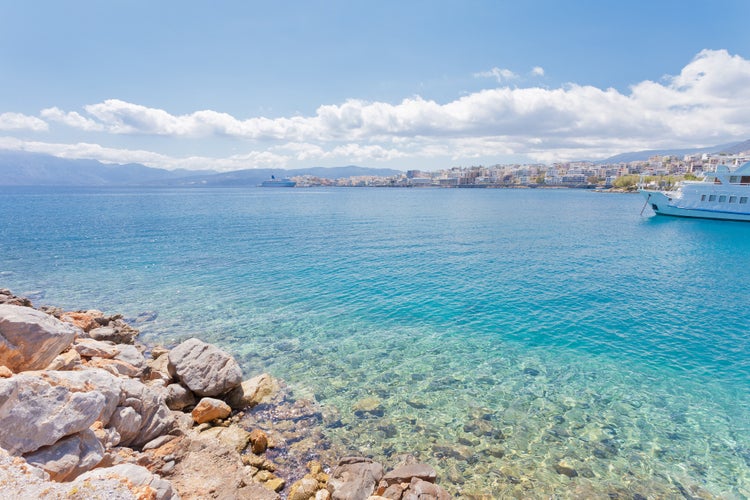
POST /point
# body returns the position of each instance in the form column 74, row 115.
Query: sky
column 419, row 84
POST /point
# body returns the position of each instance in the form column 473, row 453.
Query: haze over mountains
column 21, row 168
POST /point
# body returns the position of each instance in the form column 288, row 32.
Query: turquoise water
column 508, row 337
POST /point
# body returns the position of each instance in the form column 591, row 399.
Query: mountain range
column 22, row 168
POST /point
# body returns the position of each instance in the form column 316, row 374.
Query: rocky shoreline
column 87, row 411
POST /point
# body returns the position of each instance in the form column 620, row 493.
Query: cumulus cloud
column 537, row 71
column 18, row 121
column 71, row 119
column 708, row 101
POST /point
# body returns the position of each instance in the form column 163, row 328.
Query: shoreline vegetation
column 88, row 411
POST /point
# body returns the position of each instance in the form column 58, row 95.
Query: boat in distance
column 274, row 182
column 722, row 195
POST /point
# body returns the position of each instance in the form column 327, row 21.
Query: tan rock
column 69, row 360
column 5, row 372
column 115, row 367
column 275, row 484
column 252, row 392
column 259, row 441
column 209, row 409
column 84, row 321
column 304, row 489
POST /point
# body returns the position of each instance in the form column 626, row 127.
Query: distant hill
column 732, row 148
column 22, row 168
column 253, row 177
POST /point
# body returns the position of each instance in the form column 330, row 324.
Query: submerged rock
column 354, row 478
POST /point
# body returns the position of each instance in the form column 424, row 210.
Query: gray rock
column 39, row 408
column 137, row 476
column 405, row 473
column 31, row 339
column 354, row 478
column 148, row 402
column 69, row 360
column 130, row 354
column 90, row 348
column 70, row 457
column 127, row 422
column 178, row 397
column 205, row 369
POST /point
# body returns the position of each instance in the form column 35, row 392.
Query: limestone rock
column 85, row 322
column 90, row 348
column 252, row 392
column 69, row 360
column 148, row 402
column 205, row 369
column 354, row 478
column 127, row 422
column 178, row 397
column 131, row 355
column 39, row 408
column 69, row 457
column 31, row 339
column 137, row 477
column 115, row 367
column 158, row 368
column 209, row 409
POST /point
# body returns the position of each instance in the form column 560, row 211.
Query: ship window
column 722, row 199
column 743, row 199
column 745, row 179
column 712, row 197
column 703, row 197
column 734, row 179
column 732, row 199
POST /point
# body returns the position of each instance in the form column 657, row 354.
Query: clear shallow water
column 505, row 336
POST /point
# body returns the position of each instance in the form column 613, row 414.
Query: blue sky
column 402, row 84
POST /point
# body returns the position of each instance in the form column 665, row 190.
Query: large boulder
column 355, row 478
column 148, row 402
column 205, row 369
column 31, row 339
column 70, row 457
column 39, row 408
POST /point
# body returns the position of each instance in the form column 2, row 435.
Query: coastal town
column 584, row 174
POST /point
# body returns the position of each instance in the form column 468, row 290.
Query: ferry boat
column 723, row 194
column 274, row 182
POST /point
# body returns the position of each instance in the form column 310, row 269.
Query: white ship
column 723, row 194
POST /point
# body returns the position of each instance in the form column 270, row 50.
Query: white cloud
column 71, row 119
column 18, row 121
column 537, row 71
column 707, row 103
column 499, row 74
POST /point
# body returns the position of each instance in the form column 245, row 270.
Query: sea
column 527, row 343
